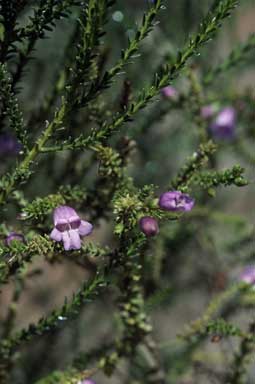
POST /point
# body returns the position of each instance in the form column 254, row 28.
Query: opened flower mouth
column 69, row 227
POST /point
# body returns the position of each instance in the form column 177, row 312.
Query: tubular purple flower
column 248, row 275
column 9, row 146
column 169, row 92
column 223, row 127
column 149, row 226
column 14, row 236
column 69, row 227
column 176, row 201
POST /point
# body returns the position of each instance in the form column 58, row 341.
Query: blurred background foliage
column 195, row 259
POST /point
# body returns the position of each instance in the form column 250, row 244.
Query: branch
column 48, row 324
column 10, row 106
column 238, row 55
column 207, row 30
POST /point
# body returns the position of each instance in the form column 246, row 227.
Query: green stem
column 32, row 154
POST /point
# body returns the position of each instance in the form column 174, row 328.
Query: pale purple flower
column 69, row 227
column 223, row 126
column 176, row 201
column 207, row 111
column 169, row 92
column 86, row 381
column 9, row 146
column 14, row 236
column 248, row 275
column 149, row 226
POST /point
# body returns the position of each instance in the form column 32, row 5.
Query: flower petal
column 85, row 228
column 75, row 239
column 56, row 235
column 63, row 212
column 66, row 240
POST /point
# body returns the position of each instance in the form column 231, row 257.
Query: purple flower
column 149, row 226
column 69, row 227
column 248, row 275
column 14, row 236
column 169, row 92
column 9, row 146
column 176, row 201
column 86, row 381
column 223, row 126
column 207, row 111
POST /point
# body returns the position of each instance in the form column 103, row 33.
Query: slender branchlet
column 168, row 72
column 237, row 56
column 92, row 21
column 212, row 310
column 193, row 165
column 212, row 179
column 128, row 53
column 42, row 22
column 48, row 324
column 242, row 359
column 10, row 107
column 9, row 13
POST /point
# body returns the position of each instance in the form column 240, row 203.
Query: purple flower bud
column 149, row 226
column 176, row 201
column 223, row 126
column 169, row 92
column 14, row 236
column 69, row 227
column 9, row 146
column 248, row 275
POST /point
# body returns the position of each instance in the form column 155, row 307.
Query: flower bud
column 169, row 92
column 149, row 226
column 176, row 201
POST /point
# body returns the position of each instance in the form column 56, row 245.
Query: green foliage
column 48, row 324
column 44, row 18
column 41, row 207
column 11, row 107
column 193, row 165
column 133, row 44
column 228, row 177
column 242, row 360
column 237, row 56
column 91, row 29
